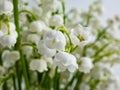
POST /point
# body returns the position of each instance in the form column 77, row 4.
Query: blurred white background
column 112, row 7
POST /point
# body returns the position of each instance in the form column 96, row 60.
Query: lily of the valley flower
column 80, row 36
column 6, row 7
column 38, row 65
column 10, row 57
column 85, row 65
column 37, row 26
column 8, row 39
column 56, row 20
column 65, row 61
column 52, row 41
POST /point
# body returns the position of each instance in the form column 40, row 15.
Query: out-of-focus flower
column 38, row 65
column 50, row 5
column 85, row 65
column 6, row 7
column 33, row 38
column 84, row 86
column 27, row 50
column 65, row 61
column 56, row 20
column 37, row 26
column 10, row 57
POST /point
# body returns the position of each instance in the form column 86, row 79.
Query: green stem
column 71, row 81
column 64, row 30
column 16, row 21
column 19, row 77
column 79, row 80
column 25, row 71
column 56, row 80
column 64, row 16
column 14, row 82
column 34, row 17
column 18, row 44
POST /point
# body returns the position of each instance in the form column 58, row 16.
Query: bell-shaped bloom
column 80, row 36
column 6, row 7
column 65, row 61
column 38, row 65
column 10, row 57
column 85, row 65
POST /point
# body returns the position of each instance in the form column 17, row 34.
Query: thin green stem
column 18, row 74
column 56, row 80
column 23, row 11
column 64, row 16
column 14, row 82
column 24, row 70
column 79, row 80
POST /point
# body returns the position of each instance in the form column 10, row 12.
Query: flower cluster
column 43, row 47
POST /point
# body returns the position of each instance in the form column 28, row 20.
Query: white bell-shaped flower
column 44, row 50
column 85, row 65
column 6, row 7
column 37, row 26
column 10, row 57
column 65, row 61
column 56, row 20
column 8, row 40
column 80, row 36
column 33, row 38
column 27, row 50
column 54, row 40
column 38, row 65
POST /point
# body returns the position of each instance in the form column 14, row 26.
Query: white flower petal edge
column 64, row 60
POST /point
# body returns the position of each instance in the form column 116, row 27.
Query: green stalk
column 79, row 80
column 14, row 82
column 64, row 16
column 24, row 71
column 16, row 21
column 18, row 44
column 56, row 80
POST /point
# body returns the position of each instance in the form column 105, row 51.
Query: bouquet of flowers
column 43, row 47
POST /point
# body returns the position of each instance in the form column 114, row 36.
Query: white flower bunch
column 43, row 47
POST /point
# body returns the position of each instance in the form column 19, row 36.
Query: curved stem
column 34, row 17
